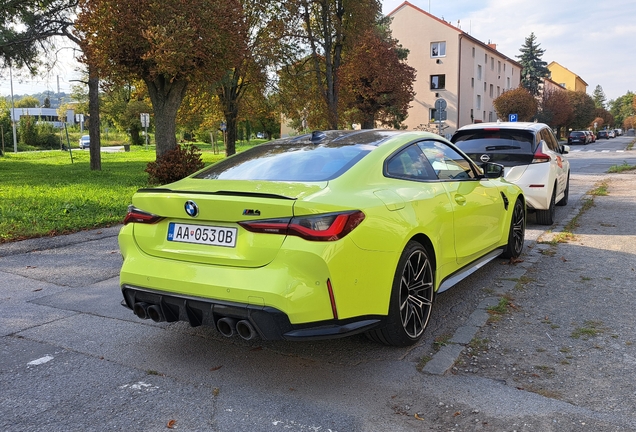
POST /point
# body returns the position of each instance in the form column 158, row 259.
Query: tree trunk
column 368, row 122
column 93, row 126
column 230, row 92
column 166, row 99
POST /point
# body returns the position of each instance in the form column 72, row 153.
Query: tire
column 517, row 232
column 411, row 299
column 546, row 217
column 566, row 194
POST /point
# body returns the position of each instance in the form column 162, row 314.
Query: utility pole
column 15, row 135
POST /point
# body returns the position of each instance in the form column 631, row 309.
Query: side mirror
column 493, row 170
column 565, row 149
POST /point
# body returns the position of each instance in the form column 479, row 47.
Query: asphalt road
column 73, row 359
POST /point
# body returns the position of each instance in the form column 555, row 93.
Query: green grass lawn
column 43, row 193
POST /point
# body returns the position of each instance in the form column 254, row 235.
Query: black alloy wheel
column 517, row 232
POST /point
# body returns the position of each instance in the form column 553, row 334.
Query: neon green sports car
column 319, row 236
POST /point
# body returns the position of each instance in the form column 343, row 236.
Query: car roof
column 529, row 126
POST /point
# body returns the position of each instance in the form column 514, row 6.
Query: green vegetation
column 622, row 167
column 589, row 329
column 43, row 193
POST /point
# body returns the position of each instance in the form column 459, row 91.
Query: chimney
column 493, row 46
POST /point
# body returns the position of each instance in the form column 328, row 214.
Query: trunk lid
column 212, row 235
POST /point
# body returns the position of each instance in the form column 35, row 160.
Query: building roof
column 489, row 47
column 575, row 75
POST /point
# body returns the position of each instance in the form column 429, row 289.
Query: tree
column 533, row 68
column 376, row 82
column 599, row 97
column 622, row 107
column 28, row 27
column 122, row 106
column 330, row 28
column 555, row 109
column 517, row 101
column 166, row 43
column 27, row 102
column 582, row 109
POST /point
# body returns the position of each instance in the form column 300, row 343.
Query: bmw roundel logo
column 484, row 158
column 191, row 208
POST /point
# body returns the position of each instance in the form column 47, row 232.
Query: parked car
column 533, row 160
column 85, row 142
column 593, row 136
column 318, row 236
column 578, row 137
column 602, row 134
column 611, row 133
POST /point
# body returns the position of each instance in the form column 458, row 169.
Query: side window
column 549, row 138
column 446, row 162
column 411, row 164
column 438, row 49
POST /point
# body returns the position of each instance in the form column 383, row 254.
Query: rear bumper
column 270, row 323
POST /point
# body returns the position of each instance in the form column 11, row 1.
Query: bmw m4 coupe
column 319, row 236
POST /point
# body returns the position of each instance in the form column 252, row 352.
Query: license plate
column 202, row 234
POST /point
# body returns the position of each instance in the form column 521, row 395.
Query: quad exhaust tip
column 145, row 311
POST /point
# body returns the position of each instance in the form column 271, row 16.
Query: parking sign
column 512, row 117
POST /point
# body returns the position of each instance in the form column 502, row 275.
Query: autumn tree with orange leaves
column 376, row 83
column 517, row 101
column 166, row 43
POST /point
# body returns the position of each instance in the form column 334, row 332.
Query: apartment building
column 566, row 78
column 467, row 73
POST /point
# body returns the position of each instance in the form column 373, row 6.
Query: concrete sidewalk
column 569, row 333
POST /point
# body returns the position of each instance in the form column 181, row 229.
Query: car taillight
column 324, row 227
column 540, row 157
column 135, row 215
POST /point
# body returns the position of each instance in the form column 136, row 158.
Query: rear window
column 289, row 162
column 494, row 141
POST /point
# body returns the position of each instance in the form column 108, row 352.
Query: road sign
column 440, row 104
column 223, row 126
column 512, row 117
column 145, row 119
column 440, row 115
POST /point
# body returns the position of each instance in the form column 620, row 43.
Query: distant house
column 43, row 114
column 566, row 78
column 452, row 65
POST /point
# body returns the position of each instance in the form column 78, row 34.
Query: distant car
column 590, row 136
column 532, row 158
column 85, row 142
column 593, row 136
column 611, row 133
column 602, row 134
column 260, row 135
column 578, row 137
column 318, row 236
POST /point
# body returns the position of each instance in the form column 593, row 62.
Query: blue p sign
column 512, row 117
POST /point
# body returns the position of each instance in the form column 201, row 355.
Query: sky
column 594, row 39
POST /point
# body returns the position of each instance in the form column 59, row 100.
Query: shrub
column 175, row 164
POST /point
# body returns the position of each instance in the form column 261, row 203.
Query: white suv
column 531, row 155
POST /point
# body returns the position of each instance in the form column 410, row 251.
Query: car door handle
column 460, row 199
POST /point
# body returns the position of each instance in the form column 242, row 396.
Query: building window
column 499, row 67
column 438, row 82
column 491, row 90
column 508, row 87
column 479, row 72
column 438, row 49
column 478, row 101
column 473, row 52
column 492, row 63
column 504, row 67
column 484, row 116
column 498, row 91
column 562, row 85
column 432, row 112
column 484, row 87
column 490, row 116
column 472, row 82
column 485, row 59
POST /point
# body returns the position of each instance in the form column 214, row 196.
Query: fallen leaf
column 37, row 289
column 520, row 388
column 171, row 424
column 417, row 416
column 216, row 391
column 457, row 413
column 563, row 259
column 216, row 368
column 31, row 267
